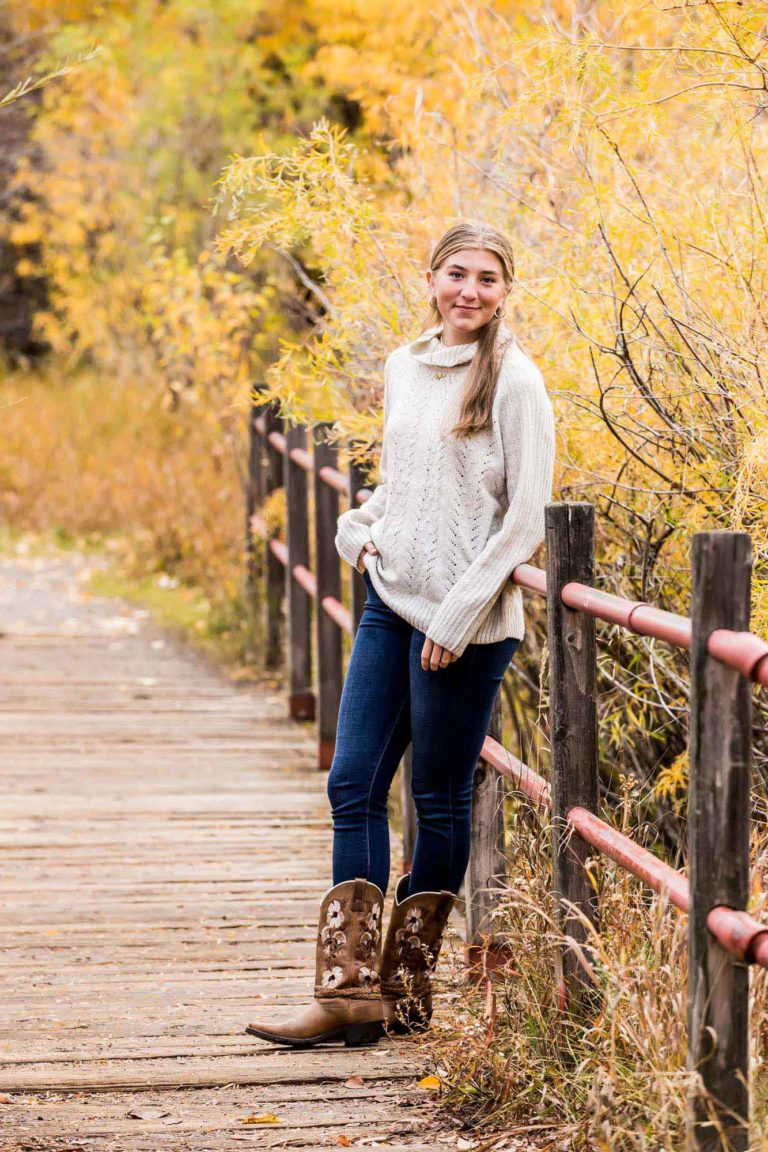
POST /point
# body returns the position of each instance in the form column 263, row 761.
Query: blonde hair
column 480, row 387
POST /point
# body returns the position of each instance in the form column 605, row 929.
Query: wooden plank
column 309, row 1115
column 328, row 1064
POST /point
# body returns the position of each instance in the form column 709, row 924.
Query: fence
column 724, row 658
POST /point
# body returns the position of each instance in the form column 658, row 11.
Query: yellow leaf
column 343, row 1141
column 429, row 1084
column 261, row 1118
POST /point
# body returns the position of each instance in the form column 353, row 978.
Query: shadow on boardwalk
column 164, row 841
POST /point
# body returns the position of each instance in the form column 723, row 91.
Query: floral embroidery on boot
column 333, row 942
column 335, row 915
column 368, row 977
column 410, row 956
column 332, row 977
column 350, row 944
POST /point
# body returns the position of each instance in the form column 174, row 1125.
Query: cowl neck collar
column 428, row 348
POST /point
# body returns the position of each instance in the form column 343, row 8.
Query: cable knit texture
column 452, row 517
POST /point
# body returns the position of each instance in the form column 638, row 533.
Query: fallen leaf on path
column 261, row 1118
column 354, row 1082
column 147, row 1114
column 343, row 1141
column 429, row 1084
column 5, row 1098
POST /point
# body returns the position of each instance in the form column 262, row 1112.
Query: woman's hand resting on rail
column 432, row 655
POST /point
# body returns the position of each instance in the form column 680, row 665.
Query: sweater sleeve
column 527, row 431
column 353, row 528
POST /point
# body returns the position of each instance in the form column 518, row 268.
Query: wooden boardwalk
column 164, row 842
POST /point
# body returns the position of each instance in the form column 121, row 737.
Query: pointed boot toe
column 305, row 1034
column 347, row 1002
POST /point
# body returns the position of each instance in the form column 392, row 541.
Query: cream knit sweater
column 452, row 517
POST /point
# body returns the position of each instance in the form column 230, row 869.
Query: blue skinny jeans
column 388, row 702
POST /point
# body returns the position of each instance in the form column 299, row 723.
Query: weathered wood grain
column 570, row 530
column 328, row 636
column 718, row 846
column 274, row 624
column 486, row 876
column 164, row 841
column 299, row 602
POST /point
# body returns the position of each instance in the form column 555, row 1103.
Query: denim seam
column 373, row 781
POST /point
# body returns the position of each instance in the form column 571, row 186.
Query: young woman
column 466, row 470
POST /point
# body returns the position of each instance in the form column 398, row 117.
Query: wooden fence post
column 275, row 582
column 254, row 494
column 356, row 482
column 328, row 573
column 407, row 809
column 301, row 697
column 487, row 872
column 718, row 850
column 570, row 530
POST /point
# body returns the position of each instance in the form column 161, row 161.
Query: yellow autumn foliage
column 226, row 194
column 230, row 192
column 625, row 158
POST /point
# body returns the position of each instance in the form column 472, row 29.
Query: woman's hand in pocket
column 369, row 547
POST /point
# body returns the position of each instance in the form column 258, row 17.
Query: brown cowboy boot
column 411, row 949
column 347, row 1002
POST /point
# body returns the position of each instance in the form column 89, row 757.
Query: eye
column 486, row 279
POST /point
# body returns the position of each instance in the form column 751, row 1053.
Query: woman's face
column 469, row 287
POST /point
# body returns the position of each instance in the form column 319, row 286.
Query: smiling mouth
column 464, row 308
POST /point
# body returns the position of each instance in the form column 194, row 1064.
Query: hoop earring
column 499, row 315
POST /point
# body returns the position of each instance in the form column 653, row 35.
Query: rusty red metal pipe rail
column 744, row 651
column 306, row 579
column 737, row 932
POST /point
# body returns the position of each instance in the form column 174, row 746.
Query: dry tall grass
column 86, row 454
column 617, row 1082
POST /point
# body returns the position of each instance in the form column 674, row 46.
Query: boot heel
column 358, row 1035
